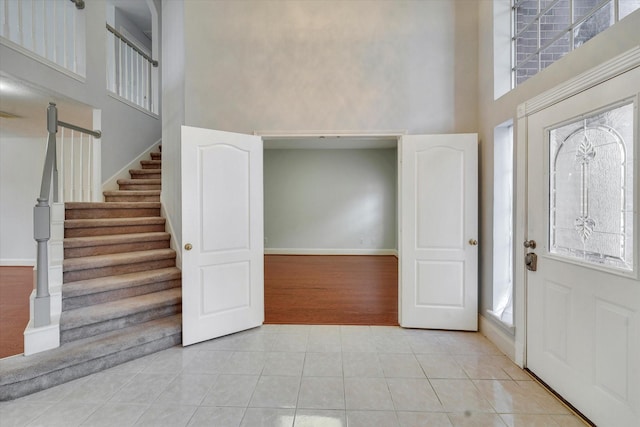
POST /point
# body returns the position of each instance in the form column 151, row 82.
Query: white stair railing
column 78, row 155
column 129, row 71
column 46, row 29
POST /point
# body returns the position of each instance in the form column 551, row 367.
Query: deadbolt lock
column 531, row 261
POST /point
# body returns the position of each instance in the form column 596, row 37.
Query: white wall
column 330, row 201
column 173, row 47
column 299, row 65
column 126, row 131
column 608, row 44
column 19, row 188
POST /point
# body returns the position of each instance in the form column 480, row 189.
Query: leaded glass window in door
column 591, row 188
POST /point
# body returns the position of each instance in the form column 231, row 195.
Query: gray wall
column 324, row 200
column 326, row 65
column 331, row 65
column 20, row 159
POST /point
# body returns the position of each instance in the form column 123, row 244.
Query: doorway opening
column 331, row 230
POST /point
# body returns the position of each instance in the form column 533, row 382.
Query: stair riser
column 102, row 297
column 111, row 213
column 23, row 388
column 131, row 198
column 92, row 273
column 156, row 156
column 69, row 335
column 139, row 187
column 103, row 231
column 115, row 249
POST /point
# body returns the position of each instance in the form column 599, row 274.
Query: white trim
column 497, row 335
column 131, row 104
column 265, row 134
column 312, row 251
column 41, row 339
column 593, row 77
column 18, row 262
column 173, row 243
column 41, row 59
column 111, row 184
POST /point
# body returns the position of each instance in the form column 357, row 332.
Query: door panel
column 583, row 302
column 438, row 252
column 222, row 220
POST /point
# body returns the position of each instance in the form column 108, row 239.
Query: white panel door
column 583, row 302
column 222, row 233
column 439, row 231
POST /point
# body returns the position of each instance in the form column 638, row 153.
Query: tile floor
column 305, row 376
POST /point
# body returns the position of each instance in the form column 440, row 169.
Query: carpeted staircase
column 121, row 292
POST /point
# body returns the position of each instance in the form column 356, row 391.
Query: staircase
column 121, row 292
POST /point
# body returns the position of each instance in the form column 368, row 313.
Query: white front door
column 583, row 302
column 222, row 234
column 439, row 231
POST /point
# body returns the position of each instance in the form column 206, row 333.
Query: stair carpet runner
column 121, row 292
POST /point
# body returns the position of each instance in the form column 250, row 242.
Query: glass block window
column 546, row 30
column 591, row 188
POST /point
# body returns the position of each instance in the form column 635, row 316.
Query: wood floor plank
column 16, row 284
column 331, row 290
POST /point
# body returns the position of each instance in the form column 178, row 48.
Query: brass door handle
column 473, row 242
column 188, row 247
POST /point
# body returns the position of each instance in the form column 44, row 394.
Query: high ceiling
column 23, row 109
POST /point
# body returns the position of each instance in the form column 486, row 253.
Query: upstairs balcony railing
column 72, row 159
column 130, row 71
column 49, row 29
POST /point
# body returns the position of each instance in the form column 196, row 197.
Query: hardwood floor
column 16, row 284
column 346, row 290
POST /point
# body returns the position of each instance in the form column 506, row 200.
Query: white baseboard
column 17, row 262
column 497, row 335
column 308, row 251
column 111, row 184
column 41, row 339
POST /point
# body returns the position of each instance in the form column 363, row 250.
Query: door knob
column 188, row 247
column 530, row 244
column 473, row 242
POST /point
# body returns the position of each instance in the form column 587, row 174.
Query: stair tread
column 141, row 181
column 109, row 283
column 131, row 193
column 112, row 205
column 111, row 239
column 119, row 308
column 97, row 261
column 21, row 368
column 112, row 222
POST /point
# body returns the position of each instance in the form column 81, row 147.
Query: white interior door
column 583, row 302
column 222, row 233
column 439, row 231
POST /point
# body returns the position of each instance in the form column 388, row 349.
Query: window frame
column 570, row 29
